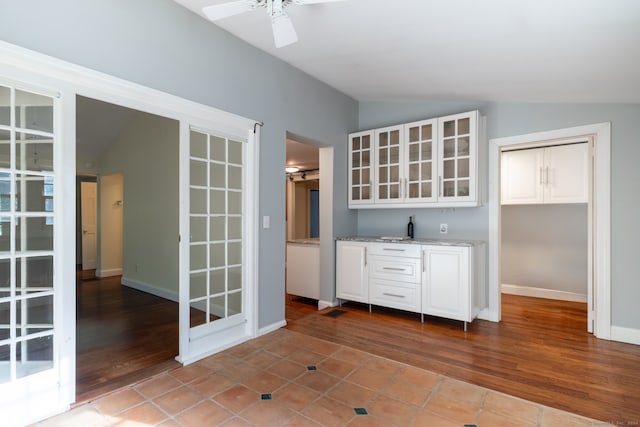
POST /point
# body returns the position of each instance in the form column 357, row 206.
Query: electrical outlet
column 444, row 228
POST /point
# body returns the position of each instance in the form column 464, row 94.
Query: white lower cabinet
column 447, row 282
column 352, row 282
column 437, row 280
column 394, row 276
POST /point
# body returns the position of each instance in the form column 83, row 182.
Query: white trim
column 602, row 216
column 150, row 289
column 272, row 327
column 628, row 335
column 23, row 67
column 109, row 272
column 326, row 304
column 530, row 291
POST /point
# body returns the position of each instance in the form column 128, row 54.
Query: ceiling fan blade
column 224, row 10
column 283, row 31
column 314, row 1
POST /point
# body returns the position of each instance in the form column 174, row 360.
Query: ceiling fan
column 283, row 31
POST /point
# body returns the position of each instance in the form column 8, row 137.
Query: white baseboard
column 527, row 291
column 628, row 335
column 150, row 289
column 326, row 304
column 272, row 327
column 109, row 272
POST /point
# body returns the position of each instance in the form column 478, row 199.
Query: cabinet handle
column 365, row 256
column 547, row 175
column 541, row 180
column 406, row 188
column 393, row 268
column 440, row 186
column 423, row 261
column 392, row 295
column 393, row 249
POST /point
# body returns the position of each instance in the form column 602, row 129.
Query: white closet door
column 522, row 176
column 567, row 173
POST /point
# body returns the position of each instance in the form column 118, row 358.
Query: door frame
column 72, row 80
column 600, row 212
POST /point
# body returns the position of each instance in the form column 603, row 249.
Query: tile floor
column 289, row 379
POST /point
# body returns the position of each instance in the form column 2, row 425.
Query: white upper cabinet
column 420, row 158
column 389, row 145
column 457, row 157
column 361, row 166
column 556, row 174
column 429, row 163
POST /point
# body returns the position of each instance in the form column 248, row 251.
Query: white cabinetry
column 361, row 168
column 557, row 174
column 303, row 269
column 351, row 271
column 394, row 276
column 447, row 282
column 429, row 163
column 438, row 280
column 458, row 157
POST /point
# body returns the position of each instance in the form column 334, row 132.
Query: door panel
column 215, row 257
column 30, row 356
column 88, row 191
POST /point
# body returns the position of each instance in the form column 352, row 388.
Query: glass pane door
column 457, row 157
column 421, row 160
column 216, row 229
column 389, row 165
column 360, row 168
column 26, row 234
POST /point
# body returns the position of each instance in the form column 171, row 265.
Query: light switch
column 266, row 221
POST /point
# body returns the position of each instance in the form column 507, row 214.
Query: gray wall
column 509, row 119
column 160, row 44
column 146, row 153
column 545, row 246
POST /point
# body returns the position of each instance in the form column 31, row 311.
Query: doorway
column 599, row 292
column 545, row 224
column 125, row 302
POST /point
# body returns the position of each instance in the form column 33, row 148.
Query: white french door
column 32, row 353
column 217, row 216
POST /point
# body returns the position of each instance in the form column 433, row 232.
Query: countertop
column 305, row 242
column 415, row 241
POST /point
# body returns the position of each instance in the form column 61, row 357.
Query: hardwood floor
column 539, row 352
column 122, row 336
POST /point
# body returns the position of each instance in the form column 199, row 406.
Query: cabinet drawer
column 391, row 294
column 395, row 268
column 395, row 249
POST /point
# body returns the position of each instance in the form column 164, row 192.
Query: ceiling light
column 291, row 169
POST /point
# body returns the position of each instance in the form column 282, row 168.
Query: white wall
column 545, row 246
column 110, row 227
column 146, row 152
column 179, row 52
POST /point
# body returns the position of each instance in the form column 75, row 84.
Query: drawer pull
column 393, row 249
column 393, row 295
column 393, row 268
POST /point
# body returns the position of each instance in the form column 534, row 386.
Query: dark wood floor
column 122, row 336
column 540, row 351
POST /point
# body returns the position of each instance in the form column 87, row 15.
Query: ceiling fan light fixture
column 283, row 32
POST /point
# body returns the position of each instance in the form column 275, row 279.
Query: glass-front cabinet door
column 457, row 137
column 421, row 161
column 361, row 168
column 389, row 163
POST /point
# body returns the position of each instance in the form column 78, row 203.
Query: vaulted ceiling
column 485, row 50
